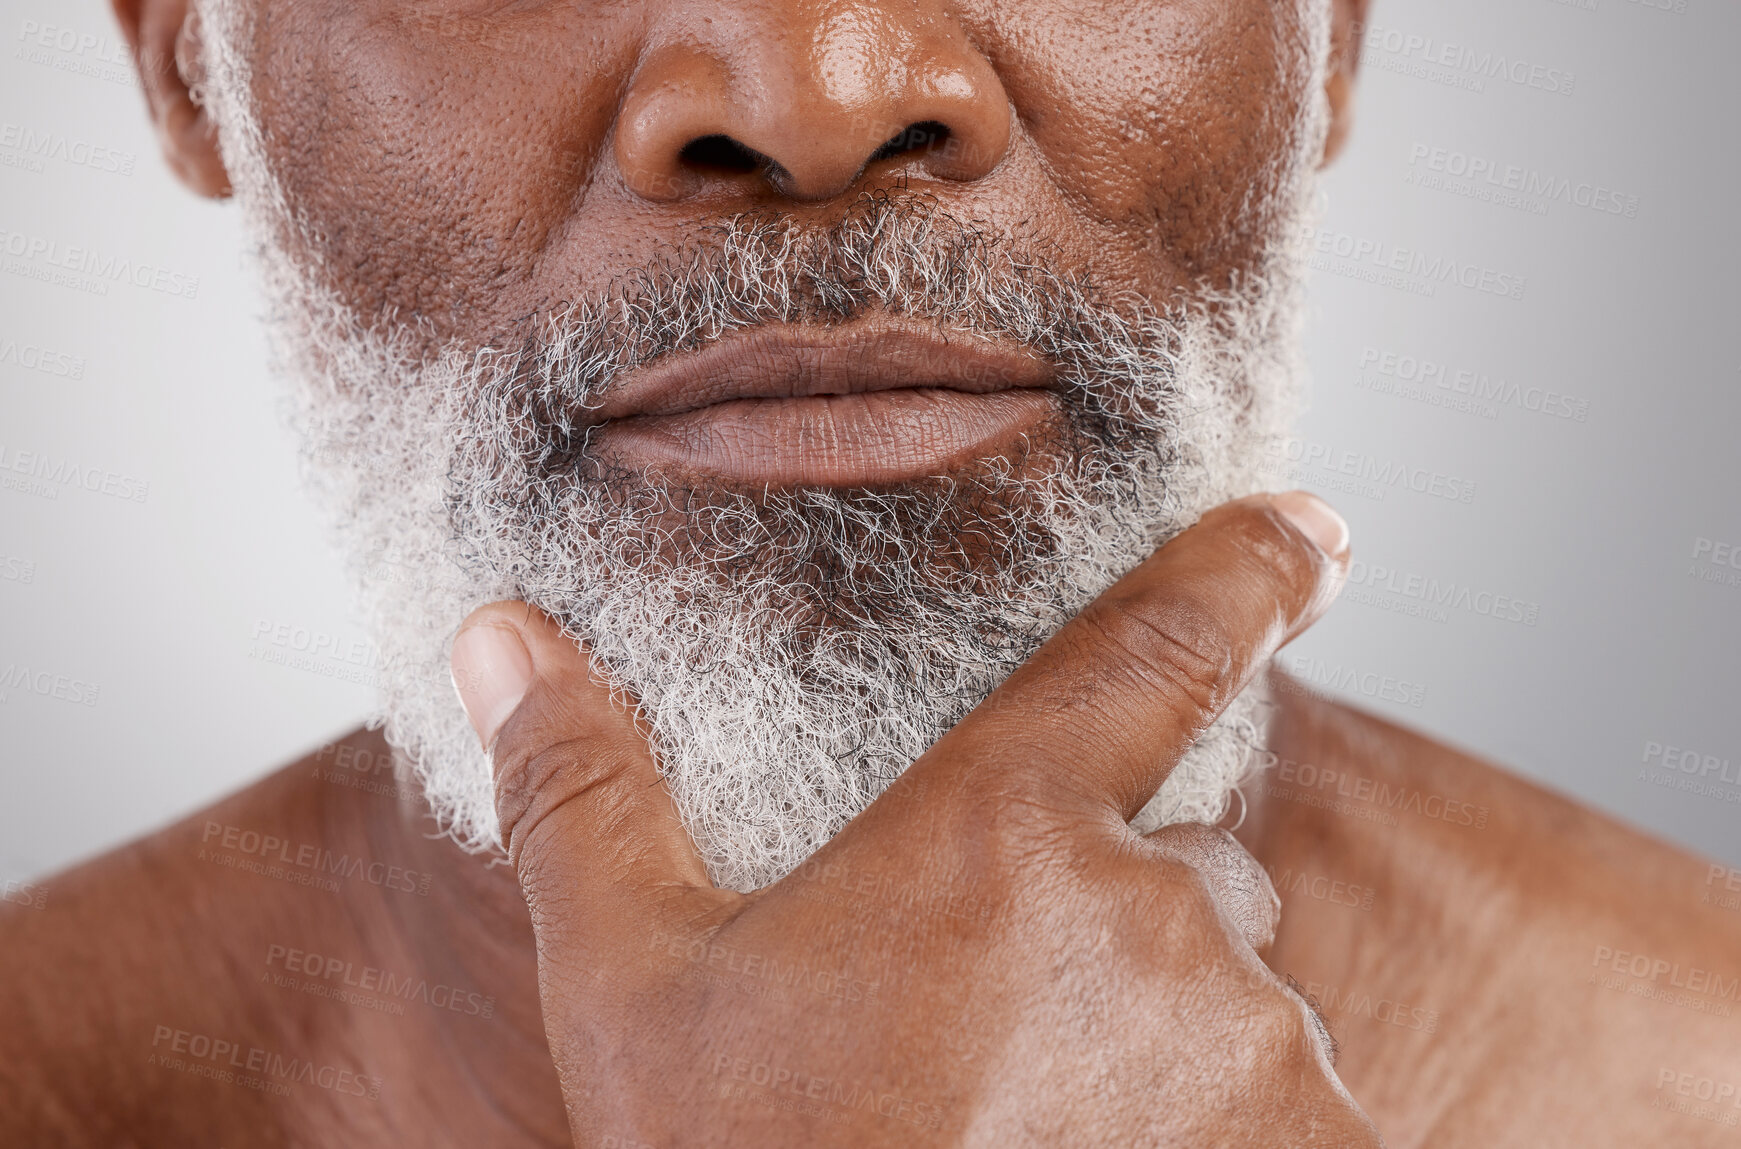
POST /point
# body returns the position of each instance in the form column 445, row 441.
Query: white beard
column 791, row 652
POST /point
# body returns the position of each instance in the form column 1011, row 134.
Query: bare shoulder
column 113, row 969
column 1547, row 847
column 1497, row 957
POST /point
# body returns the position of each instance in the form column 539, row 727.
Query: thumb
column 585, row 817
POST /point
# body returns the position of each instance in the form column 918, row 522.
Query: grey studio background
column 1525, row 402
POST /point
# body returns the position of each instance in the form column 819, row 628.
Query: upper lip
column 790, row 360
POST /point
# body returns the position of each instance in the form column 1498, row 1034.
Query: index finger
column 1103, row 711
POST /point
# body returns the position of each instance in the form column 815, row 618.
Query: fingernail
column 1315, row 519
column 492, row 670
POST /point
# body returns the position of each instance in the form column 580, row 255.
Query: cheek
column 1172, row 122
column 434, row 158
column 443, row 163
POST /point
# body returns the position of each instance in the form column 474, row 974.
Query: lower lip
column 865, row 439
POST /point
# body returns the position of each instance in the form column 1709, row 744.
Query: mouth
column 876, row 401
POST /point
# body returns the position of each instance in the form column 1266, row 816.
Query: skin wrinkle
column 792, row 649
column 1187, row 1040
column 1173, row 163
column 408, row 298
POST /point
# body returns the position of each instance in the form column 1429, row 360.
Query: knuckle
column 549, row 903
column 1182, row 881
column 1180, row 646
column 1178, row 901
column 1293, row 1025
column 537, row 776
column 1285, row 1025
column 1215, row 905
column 1238, row 880
column 1198, row 842
column 521, row 763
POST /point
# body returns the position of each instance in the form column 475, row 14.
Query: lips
column 876, row 401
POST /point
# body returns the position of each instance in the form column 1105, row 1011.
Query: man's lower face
column 798, row 619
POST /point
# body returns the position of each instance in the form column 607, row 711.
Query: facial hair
column 791, row 651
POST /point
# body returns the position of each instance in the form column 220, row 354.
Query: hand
column 987, row 955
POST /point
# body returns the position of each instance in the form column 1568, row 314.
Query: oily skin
column 1123, row 157
column 462, row 168
column 468, row 167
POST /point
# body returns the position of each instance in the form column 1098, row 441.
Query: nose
column 808, row 97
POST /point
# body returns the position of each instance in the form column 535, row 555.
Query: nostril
column 721, row 154
column 917, row 137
